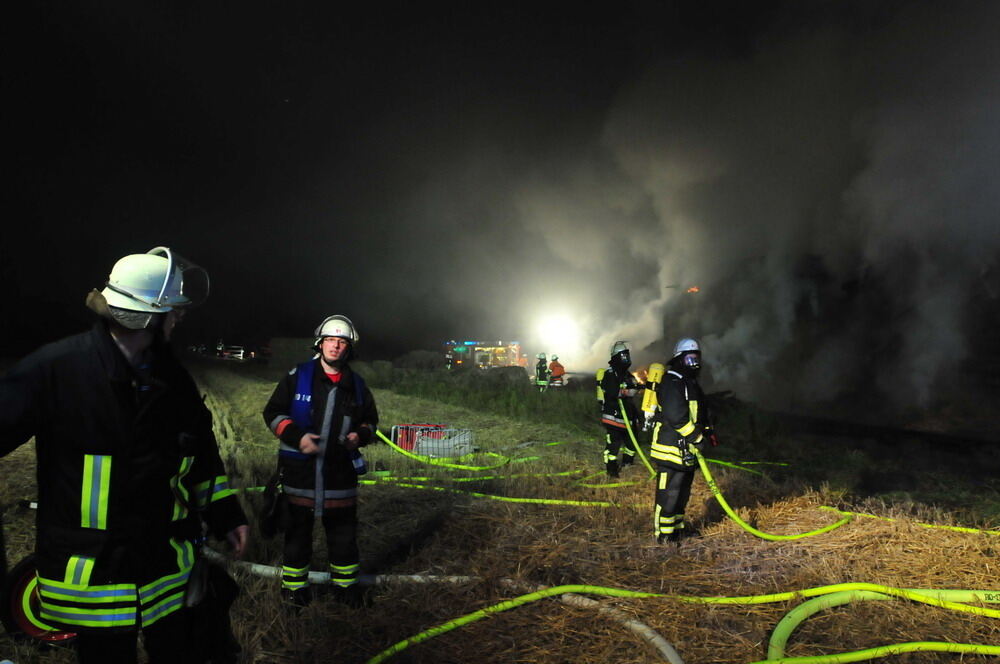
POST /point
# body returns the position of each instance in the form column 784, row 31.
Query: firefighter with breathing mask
column 128, row 468
column 322, row 412
column 682, row 423
column 617, row 387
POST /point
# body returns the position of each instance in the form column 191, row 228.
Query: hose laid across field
column 714, row 488
column 750, row 599
column 643, row 630
column 783, row 630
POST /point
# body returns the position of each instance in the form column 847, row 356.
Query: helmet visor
column 185, row 283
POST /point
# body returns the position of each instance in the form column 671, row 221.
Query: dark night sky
column 821, row 170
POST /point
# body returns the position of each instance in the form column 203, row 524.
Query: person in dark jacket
column 322, row 412
column 618, row 387
column 128, row 468
column 682, row 424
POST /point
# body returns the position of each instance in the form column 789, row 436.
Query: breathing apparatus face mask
column 691, row 361
column 622, row 359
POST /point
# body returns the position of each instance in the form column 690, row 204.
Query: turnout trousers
column 167, row 641
column 617, row 440
column 341, row 526
column 673, row 489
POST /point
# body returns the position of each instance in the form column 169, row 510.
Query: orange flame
column 693, row 289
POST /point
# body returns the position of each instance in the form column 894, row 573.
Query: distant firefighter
column 541, row 372
column 682, row 423
column 129, row 472
column 616, row 384
column 322, row 412
column 556, row 371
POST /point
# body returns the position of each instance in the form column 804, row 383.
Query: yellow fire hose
column 944, row 600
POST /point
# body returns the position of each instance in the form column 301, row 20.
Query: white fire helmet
column 155, row 282
column 686, row 345
column 620, row 346
column 554, row 357
column 336, row 326
column 541, row 356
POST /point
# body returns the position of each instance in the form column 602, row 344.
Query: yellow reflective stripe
column 121, row 592
column 163, row 608
column 181, row 495
column 78, row 570
column 209, row 491
column 29, row 609
column 123, row 617
column 94, row 495
column 687, row 429
column 185, row 556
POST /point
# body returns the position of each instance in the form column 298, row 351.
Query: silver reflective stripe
column 327, row 495
column 276, row 421
column 324, row 437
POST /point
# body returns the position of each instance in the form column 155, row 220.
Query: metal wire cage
column 434, row 440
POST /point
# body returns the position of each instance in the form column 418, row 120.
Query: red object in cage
column 405, row 435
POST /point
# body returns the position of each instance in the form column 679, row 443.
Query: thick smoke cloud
column 831, row 195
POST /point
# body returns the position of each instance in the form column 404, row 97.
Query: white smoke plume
column 832, row 196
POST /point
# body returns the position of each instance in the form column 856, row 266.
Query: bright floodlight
column 558, row 334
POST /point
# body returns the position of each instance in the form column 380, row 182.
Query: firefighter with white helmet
column 322, row 412
column 120, row 429
column 683, row 422
column 541, row 372
column 617, row 387
column 557, row 372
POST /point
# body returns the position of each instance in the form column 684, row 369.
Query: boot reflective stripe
column 78, row 570
column 181, row 502
column 294, row 578
column 344, row 575
column 628, row 451
column 212, row 490
column 94, row 500
column 669, row 523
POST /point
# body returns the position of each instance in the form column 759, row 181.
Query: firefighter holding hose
column 616, row 388
column 322, row 412
column 128, row 469
column 683, row 422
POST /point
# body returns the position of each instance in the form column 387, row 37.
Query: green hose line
column 886, row 651
column 498, row 608
column 509, row 499
column 746, row 526
column 635, row 443
column 783, row 630
column 744, row 599
column 957, row 529
column 435, row 462
column 735, row 466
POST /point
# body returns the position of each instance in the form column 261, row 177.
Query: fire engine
column 484, row 354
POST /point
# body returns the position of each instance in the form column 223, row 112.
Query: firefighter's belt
column 329, row 503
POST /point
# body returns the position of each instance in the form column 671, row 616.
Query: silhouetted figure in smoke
column 128, row 471
column 617, row 384
column 683, row 422
column 322, row 412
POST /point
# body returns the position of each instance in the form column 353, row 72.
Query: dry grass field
column 422, row 524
